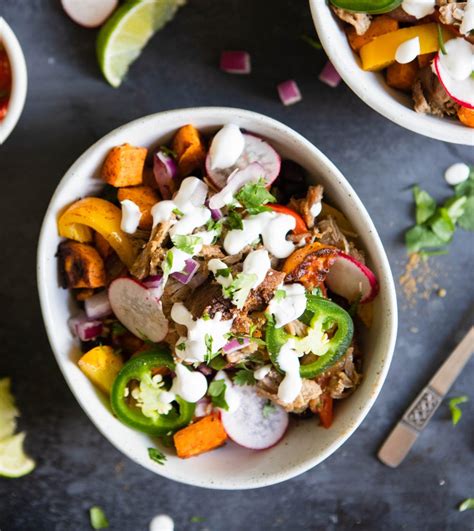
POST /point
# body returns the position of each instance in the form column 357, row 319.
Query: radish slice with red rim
column 351, row 279
column 252, row 425
column 137, row 309
column 255, row 150
column 89, row 13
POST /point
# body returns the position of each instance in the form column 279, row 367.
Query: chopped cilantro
column 98, row 518
column 425, row 205
column 187, row 244
column 224, row 272
column 181, row 346
column 466, row 189
column 268, row 409
column 168, row 151
column 218, row 363
column 157, row 456
column 167, row 263
column 467, row 504
column 209, row 353
column 216, row 391
column 456, row 412
column 355, row 306
column 197, row 519
column 253, row 196
column 244, row 377
column 118, row 329
column 234, row 220
column 280, row 294
column 177, row 212
column 441, row 40
column 240, row 288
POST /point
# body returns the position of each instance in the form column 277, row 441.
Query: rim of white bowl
column 345, row 62
column 19, row 80
column 223, row 112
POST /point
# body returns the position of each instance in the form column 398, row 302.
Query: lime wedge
column 14, row 463
column 8, row 411
column 126, row 33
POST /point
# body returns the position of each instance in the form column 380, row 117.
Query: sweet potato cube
column 101, row 365
column 80, row 265
column 202, row 436
column 123, row 165
column 143, row 196
column 466, row 116
column 189, row 148
column 402, row 76
column 379, row 26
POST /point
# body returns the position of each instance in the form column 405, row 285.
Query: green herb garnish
column 167, row 263
column 253, row 196
column 240, row 288
column 197, row 519
column 216, row 391
column 177, row 212
column 268, row 409
column 187, row 244
column 208, row 340
column 98, row 518
column 234, row 220
column 168, row 151
column 312, row 42
column 467, row 504
column 456, row 412
column 244, row 377
column 157, row 456
column 280, row 294
column 218, row 363
column 441, row 40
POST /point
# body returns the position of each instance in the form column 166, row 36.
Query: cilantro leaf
column 208, row 340
column 254, row 195
column 467, row 187
column 466, row 221
column 234, row 220
column 197, row 519
column 168, row 151
column 456, row 412
column 442, row 225
column 215, row 226
column 244, row 377
column 280, row 294
column 177, row 212
column 187, row 244
column 216, row 391
column 420, row 237
column 98, row 518
column 467, row 504
column 268, row 409
column 157, row 456
column 455, row 207
column 240, row 288
column 167, row 263
column 218, row 363
column 425, row 205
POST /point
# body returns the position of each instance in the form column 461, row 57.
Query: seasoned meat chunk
column 360, row 21
column 430, row 97
column 303, row 206
column 261, row 296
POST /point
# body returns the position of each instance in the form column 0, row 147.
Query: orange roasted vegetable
column 466, row 116
column 379, row 26
column 202, row 436
column 402, row 76
column 143, row 196
column 190, row 150
column 310, row 264
column 102, row 216
column 123, row 165
column 325, row 410
column 101, row 365
column 80, row 266
column 102, row 245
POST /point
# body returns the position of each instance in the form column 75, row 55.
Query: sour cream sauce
column 408, row 51
column 289, row 362
column 195, row 347
column 226, row 147
column 419, row 8
column 231, row 397
column 131, row 216
column 290, row 307
column 272, row 227
column 189, row 385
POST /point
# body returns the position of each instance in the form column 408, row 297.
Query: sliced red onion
column 289, row 92
column 330, row 75
column 216, row 214
column 153, row 281
column 235, row 344
column 73, row 322
column 190, row 268
column 98, row 305
column 165, row 171
column 235, row 62
column 89, row 330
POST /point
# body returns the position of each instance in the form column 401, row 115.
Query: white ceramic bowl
column 19, row 80
column 231, row 467
column 372, row 89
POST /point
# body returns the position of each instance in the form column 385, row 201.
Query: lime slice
column 13, row 460
column 8, row 411
column 126, row 33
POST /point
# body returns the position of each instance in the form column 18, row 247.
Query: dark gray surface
column 68, row 108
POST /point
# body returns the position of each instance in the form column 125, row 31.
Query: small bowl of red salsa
column 13, row 80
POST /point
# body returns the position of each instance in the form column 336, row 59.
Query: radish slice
column 137, row 309
column 460, row 91
column 255, row 150
column 248, row 426
column 89, row 13
column 351, row 279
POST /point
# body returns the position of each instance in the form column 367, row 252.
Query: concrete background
column 69, row 107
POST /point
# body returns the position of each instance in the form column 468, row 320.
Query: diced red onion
column 205, row 369
column 235, row 62
column 98, row 305
column 330, row 75
column 216, row 213
column 165, row 171
column 289, row 92
column 190, row 268
column 76, row 320
column 89, row 330
column 235, row 344
column 153, row 281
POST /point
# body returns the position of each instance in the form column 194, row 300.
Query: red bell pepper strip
column 300, row 226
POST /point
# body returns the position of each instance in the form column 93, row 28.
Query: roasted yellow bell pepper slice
column 380, row 52
column 102, row 216
column 101, row 365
